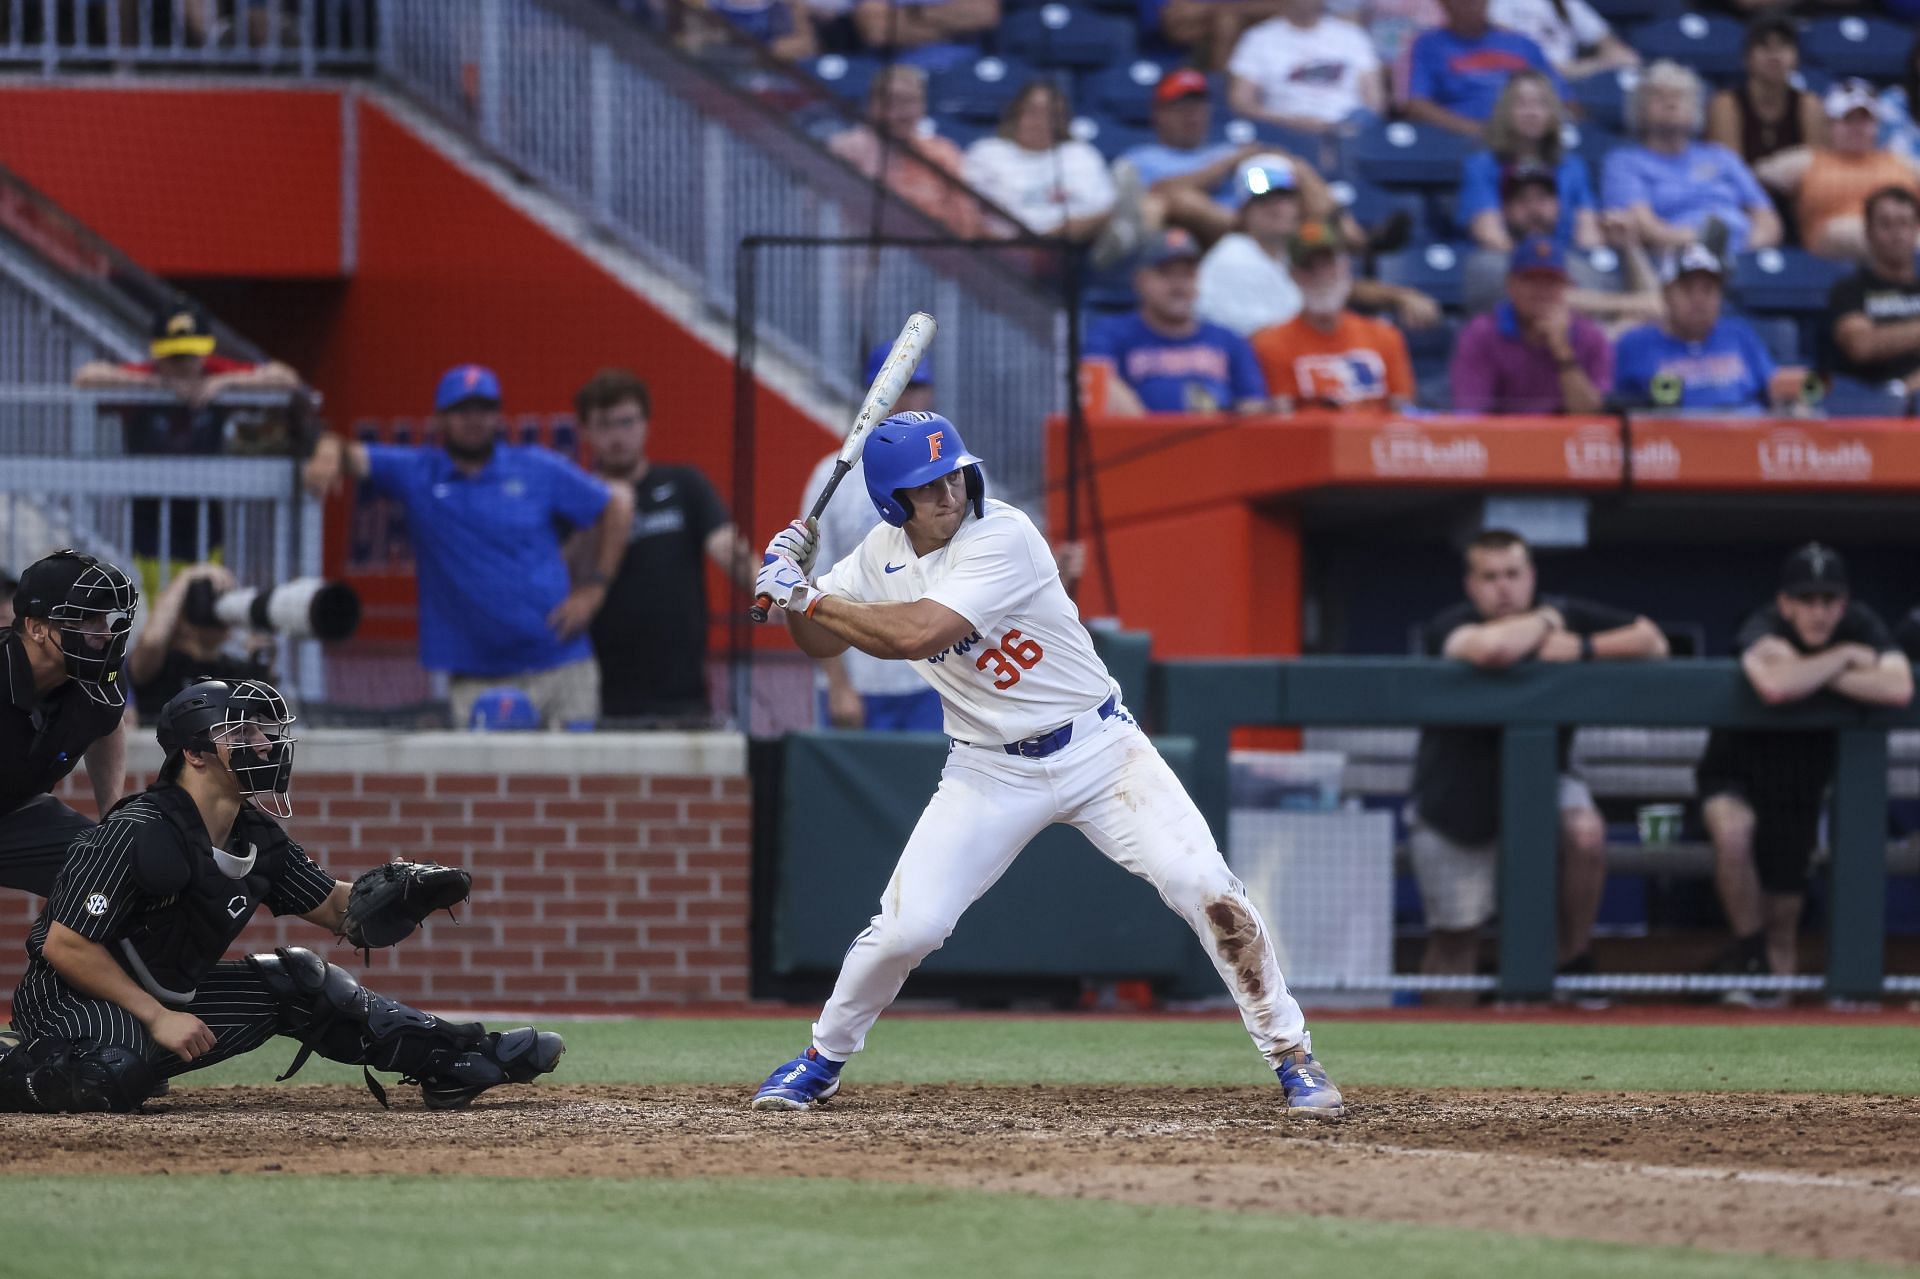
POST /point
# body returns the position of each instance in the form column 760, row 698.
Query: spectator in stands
column 1306, row 71
column 496, row 607
column 1524, row 130
column 783, row 27
column 182, row 363
column 1576, row 39
column 8, row 585
column 1458, row 71
column 1874, row 314
column 922, row 168
column 1162, row 357
column 650, row 634
column 933, row 34
column 1328, row 355
column 1050, row 182
column 1455, row 804
column 1207, row 29
column 1700, row 359
column 1246, row 281
column 1676, row 189
column 1900, row 110
column 1392, row 25
column 1529, row 206
column 1766, row 112
column 1761, row 793
column 1532, row 354
column 1829, row 185
column 174, row 650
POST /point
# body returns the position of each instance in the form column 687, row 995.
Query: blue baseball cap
column 464, row 382
column 1537, row 254
column 922, row 375
column 505, row 709
column 1169, row 245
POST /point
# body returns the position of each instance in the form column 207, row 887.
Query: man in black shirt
column 173, row 650
column 1874, row 314
column 650, row 636
column 61, row 700
column 1456, row 774
column 1761, row 793
column 126, row 985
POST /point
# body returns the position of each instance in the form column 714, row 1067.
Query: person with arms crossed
column 966, row 590
column 1455, row 806
column 64, row 700
column 1762, row 793
column 125, row 983
column 1873, row 315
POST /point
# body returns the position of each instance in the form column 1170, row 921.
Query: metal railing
column 673, row 160
column 297, row 36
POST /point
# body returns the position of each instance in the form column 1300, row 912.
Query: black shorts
column 1783, row 778
column 33, row 843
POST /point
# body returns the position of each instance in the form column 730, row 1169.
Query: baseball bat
column 916, row 335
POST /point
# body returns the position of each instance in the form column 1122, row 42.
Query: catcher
column 125, row 985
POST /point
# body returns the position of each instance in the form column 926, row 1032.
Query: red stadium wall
column 603, row 888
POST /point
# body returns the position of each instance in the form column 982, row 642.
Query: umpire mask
column 250, row 719
column 91, row 603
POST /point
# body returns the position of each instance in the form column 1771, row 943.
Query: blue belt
column 1047, row 743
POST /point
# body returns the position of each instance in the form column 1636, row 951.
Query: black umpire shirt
column 1783, row 764
column 1456, row 773
column 42, row 738
column 650, row 636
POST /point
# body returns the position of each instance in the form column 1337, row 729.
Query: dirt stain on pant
column 1236, row 935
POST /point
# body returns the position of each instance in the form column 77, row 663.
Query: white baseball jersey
column 1028, row 666
column 848, row 518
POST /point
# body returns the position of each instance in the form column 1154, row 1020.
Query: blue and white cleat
column 1309, row 1091
column 806, row 1081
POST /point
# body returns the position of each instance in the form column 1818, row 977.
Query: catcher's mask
column 249, row 718
column 91, row 604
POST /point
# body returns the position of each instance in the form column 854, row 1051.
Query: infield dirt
column 1793, row 1174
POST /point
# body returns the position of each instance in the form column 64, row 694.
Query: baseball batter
column 966, row 590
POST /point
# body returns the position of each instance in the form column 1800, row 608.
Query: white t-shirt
column 1040, row 188
column 1315, row 71
column 848, row 518
column 1244, row 288
column 1029, row 665
column 1561, row 38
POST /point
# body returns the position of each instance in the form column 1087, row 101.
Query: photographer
column 178, row 646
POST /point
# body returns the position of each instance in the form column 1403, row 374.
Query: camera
column 305, row 608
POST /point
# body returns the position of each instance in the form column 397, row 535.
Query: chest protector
column 191, row 909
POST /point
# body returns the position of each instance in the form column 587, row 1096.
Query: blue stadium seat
column 1591, row 143
column 847, row 75
column 1708, row 43
column 1323, row 153
column 1784, row 281
column 1403, row 154
column 1873, row 48
column 978, row 90
column 1123, row 92
column 1848, row 398
column 1371, row 205
column 1058, row 35
column 1110, row 136
column 1438, row 270
column 1602, row 98
column 1781, row 335
column 1619, row 11
column 962, row 132
column 1606, row 264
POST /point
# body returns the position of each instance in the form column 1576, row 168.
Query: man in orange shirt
column 1829, row 185
column 1328, row 355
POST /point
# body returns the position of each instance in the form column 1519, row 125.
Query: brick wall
column 590, row 888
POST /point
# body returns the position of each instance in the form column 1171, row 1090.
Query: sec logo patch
column 97, row 904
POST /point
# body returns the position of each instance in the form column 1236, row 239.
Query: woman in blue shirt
column 1525, row 129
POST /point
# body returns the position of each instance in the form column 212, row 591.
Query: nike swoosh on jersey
column 895, row 568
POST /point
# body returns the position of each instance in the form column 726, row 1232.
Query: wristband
column 813, row 604
column 1586, row 648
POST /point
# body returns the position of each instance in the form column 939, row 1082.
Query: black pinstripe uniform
column 144, row 884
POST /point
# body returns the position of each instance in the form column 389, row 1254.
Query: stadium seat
column 1438, row 270
column 1591, row 143
column 1873, row 48
column 1602, row 98
column 1848, row 398
column 1708, row 43
column 1371, row 205
column 1323, row 153
column 1122, row 92
column 1605, row 263
column 1619, row 11
column 847, row 75
column 978, row 90
column 1403, row 154
column 1110, row 136
column 1785, row 280
column 1058, row 35
column 1781, row 336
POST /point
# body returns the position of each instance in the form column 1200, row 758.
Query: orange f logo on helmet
column 933, row 446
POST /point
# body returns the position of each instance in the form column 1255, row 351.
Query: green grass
column 352, row 1228
column 1215, row 1051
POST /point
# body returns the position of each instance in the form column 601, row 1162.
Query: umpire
column 61, row 660
column 125, row 985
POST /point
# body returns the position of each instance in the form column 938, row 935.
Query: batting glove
column 799, row 542
column 786, row 584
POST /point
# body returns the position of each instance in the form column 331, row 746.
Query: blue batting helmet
column 911, row 449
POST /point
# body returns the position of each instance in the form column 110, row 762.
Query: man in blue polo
column 1700, row 359
column 1456, row 71
column 487, row 518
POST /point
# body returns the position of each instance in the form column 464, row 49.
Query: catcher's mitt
column 388, row 902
